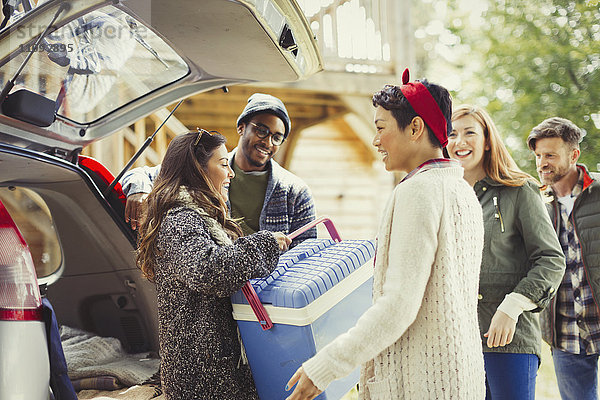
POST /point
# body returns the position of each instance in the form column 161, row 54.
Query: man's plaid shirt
column 577, row 317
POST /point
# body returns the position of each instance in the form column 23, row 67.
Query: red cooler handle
column 328, row 224
column 249, row 292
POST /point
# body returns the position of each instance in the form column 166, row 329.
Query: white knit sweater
column 420, row 339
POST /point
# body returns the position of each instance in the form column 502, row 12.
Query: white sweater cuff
column 318, row 369
column 514, row 304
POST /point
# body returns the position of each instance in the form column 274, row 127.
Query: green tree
column 525, row 61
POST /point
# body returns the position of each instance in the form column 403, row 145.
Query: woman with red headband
column 523, row 263
column 420, row 338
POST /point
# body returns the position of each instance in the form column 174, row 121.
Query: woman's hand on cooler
column 282, row 240
column 501, row 330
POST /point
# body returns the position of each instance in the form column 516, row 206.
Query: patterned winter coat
column 199, row 268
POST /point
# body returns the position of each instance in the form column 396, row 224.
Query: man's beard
column 247, row 152
column 557, row 174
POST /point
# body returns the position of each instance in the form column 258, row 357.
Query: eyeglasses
column 264, row 132
column 201, row 133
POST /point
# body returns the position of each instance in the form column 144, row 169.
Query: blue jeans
column 576, row 375
column 510, row 376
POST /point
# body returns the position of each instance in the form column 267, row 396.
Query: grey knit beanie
column 260, row 103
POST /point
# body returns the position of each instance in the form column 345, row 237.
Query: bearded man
column 571, row 325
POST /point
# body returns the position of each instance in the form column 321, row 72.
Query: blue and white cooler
column 318, row 291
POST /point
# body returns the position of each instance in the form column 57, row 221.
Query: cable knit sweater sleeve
column 407, row 244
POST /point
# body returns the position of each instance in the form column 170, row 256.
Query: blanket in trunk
column 90, row 356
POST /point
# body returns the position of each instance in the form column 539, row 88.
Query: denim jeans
column 576, row 374
column 510, row 376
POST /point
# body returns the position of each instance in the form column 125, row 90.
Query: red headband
column 425, row 106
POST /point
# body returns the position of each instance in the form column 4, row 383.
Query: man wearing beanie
column 263, row 194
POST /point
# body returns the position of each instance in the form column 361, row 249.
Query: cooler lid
column 309, row 270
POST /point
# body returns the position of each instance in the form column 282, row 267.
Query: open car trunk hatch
column 103, row 65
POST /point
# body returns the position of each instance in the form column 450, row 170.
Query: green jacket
column 521, row 254
column 586, row 219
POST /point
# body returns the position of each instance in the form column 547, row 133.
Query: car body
column 102, row 66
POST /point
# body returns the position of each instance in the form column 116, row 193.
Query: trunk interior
column 100, row 288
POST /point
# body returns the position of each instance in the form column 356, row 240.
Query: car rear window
column 95, row 64
column 33, row 218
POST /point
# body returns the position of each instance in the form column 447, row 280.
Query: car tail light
column 20, row 298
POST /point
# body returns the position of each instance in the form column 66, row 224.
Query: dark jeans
column 510, row 376
column 576, row 374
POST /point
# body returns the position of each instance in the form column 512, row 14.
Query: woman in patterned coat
column 196, row 256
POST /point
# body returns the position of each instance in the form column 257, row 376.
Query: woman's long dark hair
column 184, row 165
